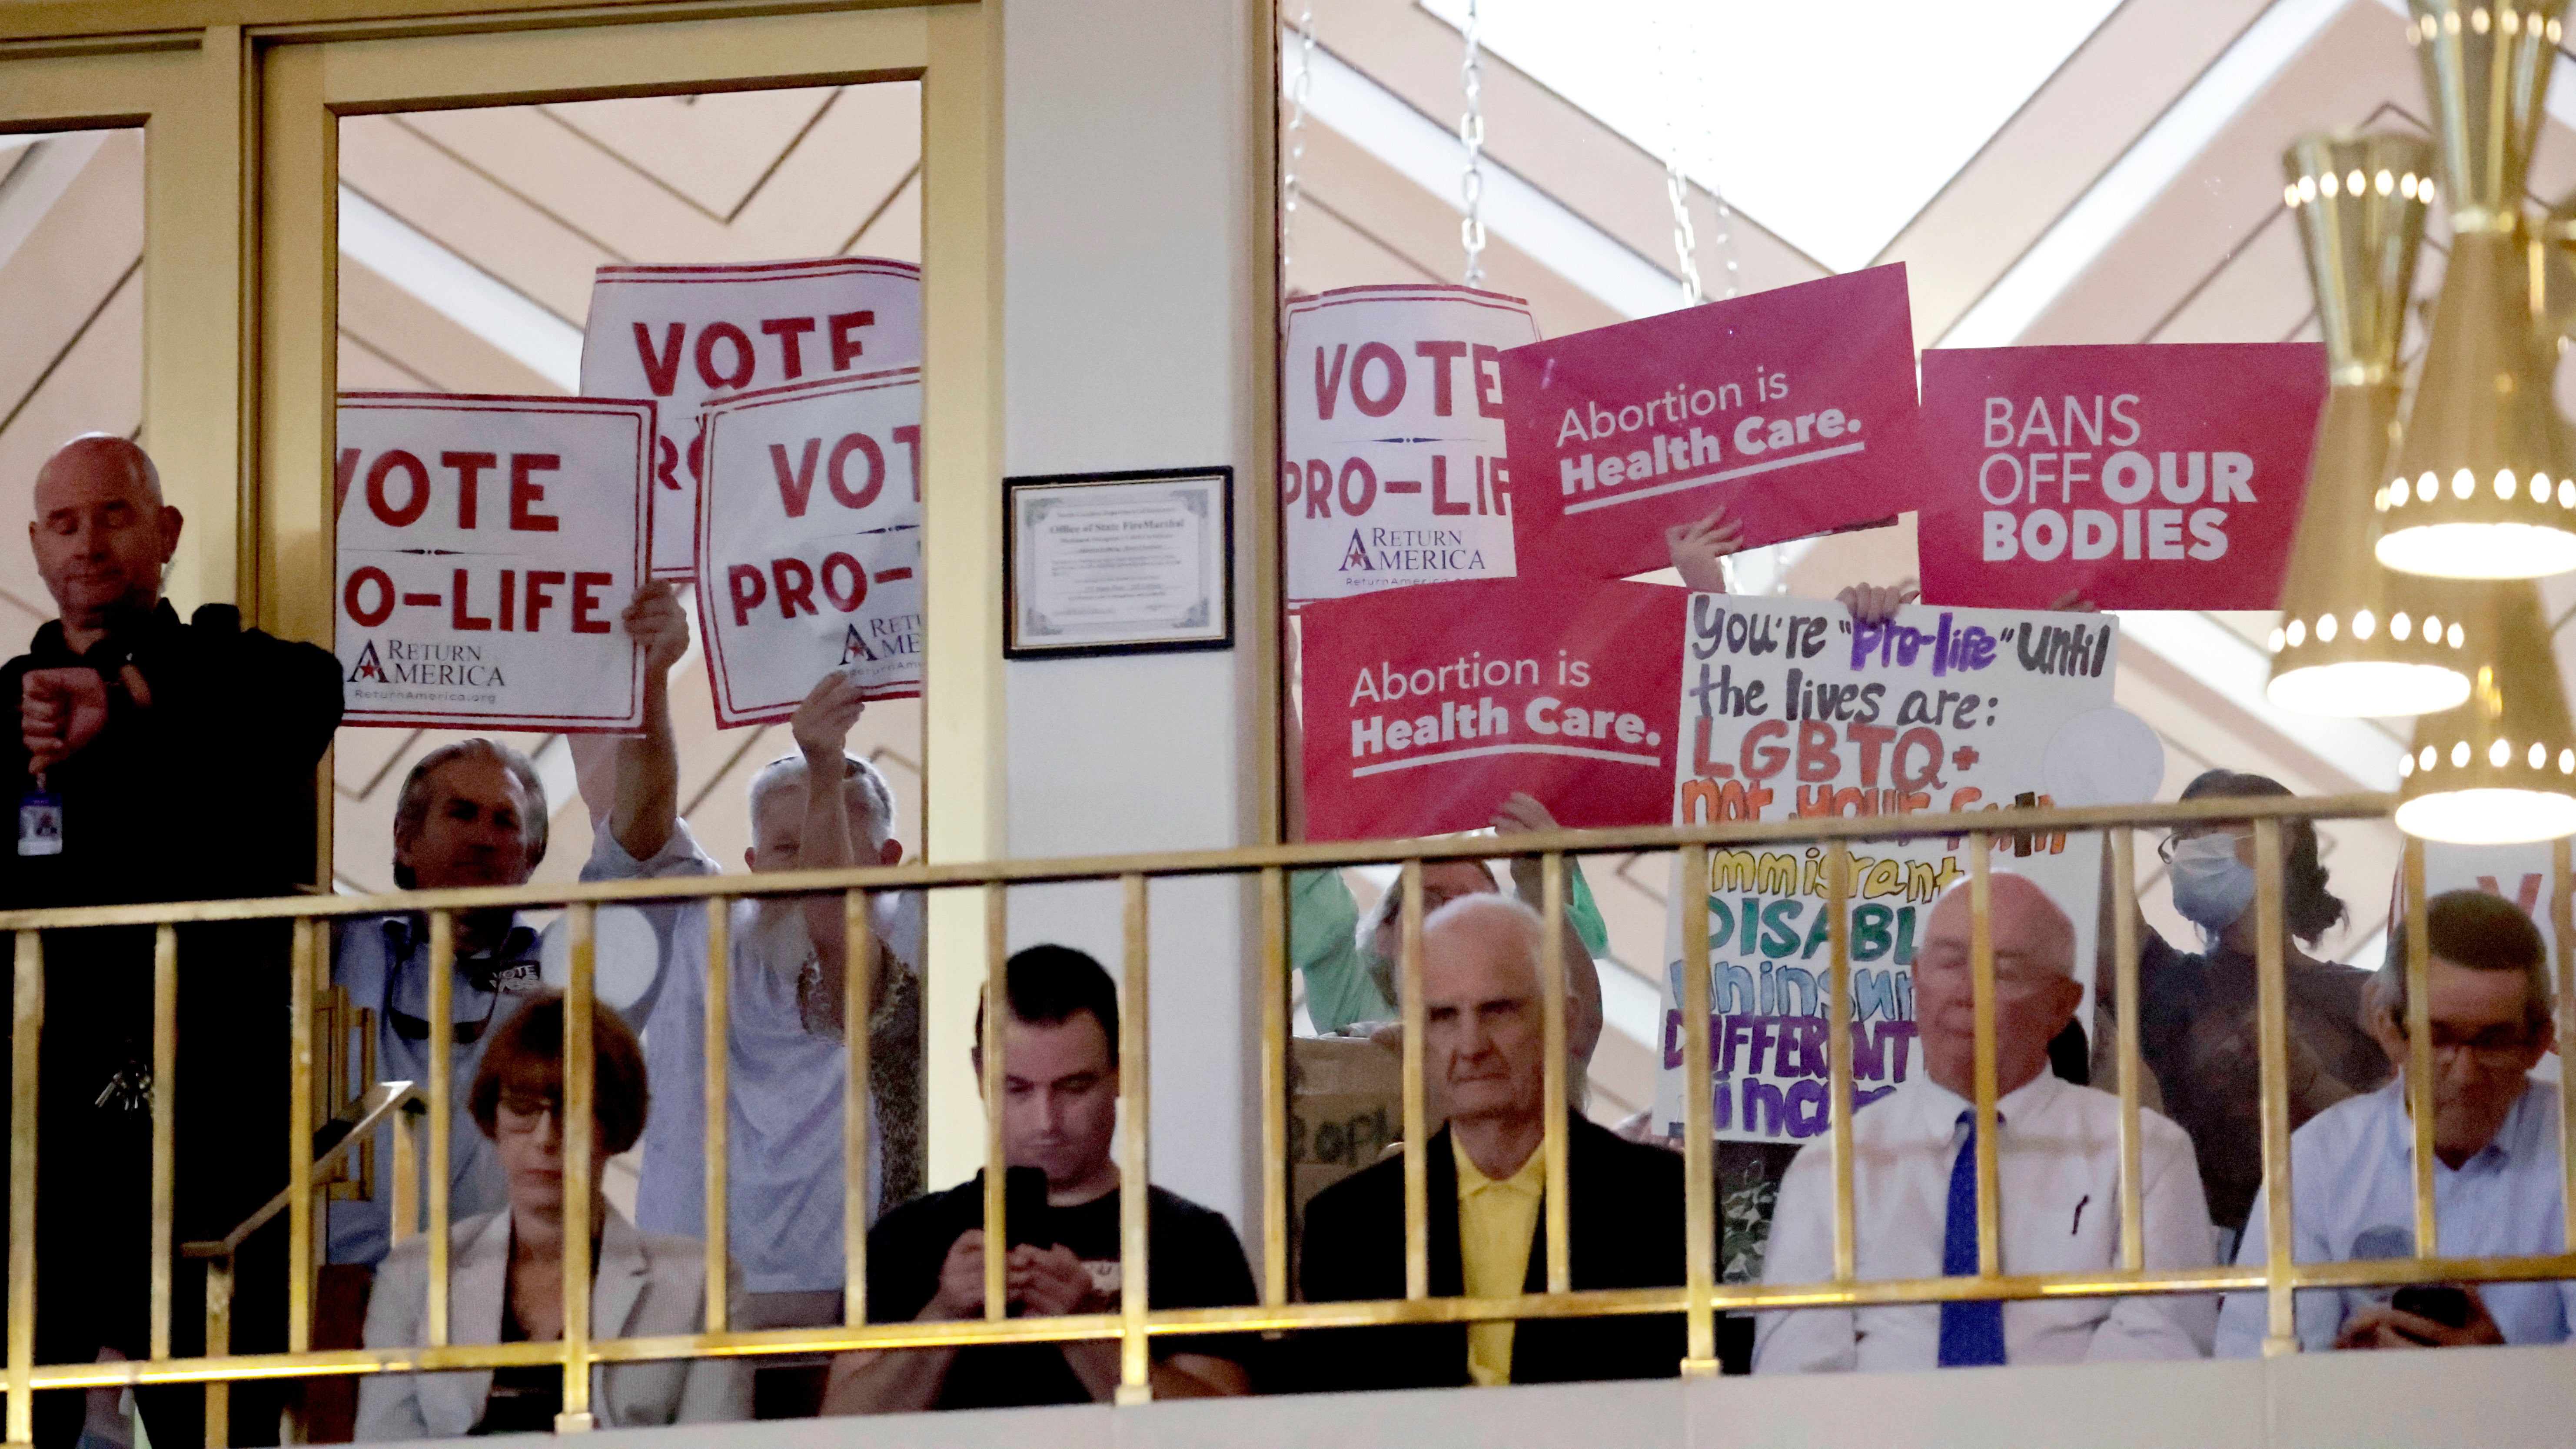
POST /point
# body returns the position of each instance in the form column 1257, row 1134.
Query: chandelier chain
column 1300, row 87
column 1471, row 134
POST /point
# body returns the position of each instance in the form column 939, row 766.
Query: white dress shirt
column 2059, row 1150
column 783, row 1183
column 2352, row 1178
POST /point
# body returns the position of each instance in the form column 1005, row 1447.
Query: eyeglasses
column 526, row 1112
column 2494, row 1046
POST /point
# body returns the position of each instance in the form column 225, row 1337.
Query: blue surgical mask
column 2211, row 887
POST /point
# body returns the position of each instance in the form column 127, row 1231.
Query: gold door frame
column 241, row 101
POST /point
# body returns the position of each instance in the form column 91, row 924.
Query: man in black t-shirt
column 926, row 1258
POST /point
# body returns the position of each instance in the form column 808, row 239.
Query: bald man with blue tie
column 1914, row 1182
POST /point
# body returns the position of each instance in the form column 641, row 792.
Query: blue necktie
column 1972, row 1330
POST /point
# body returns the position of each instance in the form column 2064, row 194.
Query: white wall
column 2477, row 1398
column 1128, row 343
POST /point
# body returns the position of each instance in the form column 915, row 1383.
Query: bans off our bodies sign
column 2163, row 476
column 1789, row 708
column 1424, row 708
column 1393, row 468
column 1794, row 408
column 809, row 542
column 688, row 335
column 486, row 548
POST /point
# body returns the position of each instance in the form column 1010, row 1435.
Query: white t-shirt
column 785, row 1084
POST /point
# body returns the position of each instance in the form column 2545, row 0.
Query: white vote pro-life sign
column 687, row 336
column 486, row 548
column 809, row 542
column 1392, row 469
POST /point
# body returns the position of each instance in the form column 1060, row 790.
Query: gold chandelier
column 2356, row 638
column 2502, row 766
column 2479, row 489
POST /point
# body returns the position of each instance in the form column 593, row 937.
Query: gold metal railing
column 1699, row 1298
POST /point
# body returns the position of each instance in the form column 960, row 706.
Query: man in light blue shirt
column 2496, row 1184
column 474, row 813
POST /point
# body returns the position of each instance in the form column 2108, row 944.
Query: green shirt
column 1323, row 941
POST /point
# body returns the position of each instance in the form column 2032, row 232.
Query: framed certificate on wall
column 1118, row 563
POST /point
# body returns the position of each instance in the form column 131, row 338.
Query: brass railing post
column 716, row 1049
column 1699, row 1180
column 858, row 1004
column 1560, row 1256
column 26, row 1027
column 299, row 1145
column 997, row 1006
column 2419, row 1049
column 442, row 1116
column 578, row 1123
column 2272, row 1042
column 2122, row 843
column 1274, row 1086
column 1417, row 1250
column 1135, row 1191
column 1981, row 972
column 165, row 1106
column 2562, row 916
column 1839, row 1027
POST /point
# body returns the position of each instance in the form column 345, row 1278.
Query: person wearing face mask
column 2196, row 1024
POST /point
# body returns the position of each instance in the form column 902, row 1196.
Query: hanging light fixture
column 2501, row 767
column 2356, row 638
column 2479, row 490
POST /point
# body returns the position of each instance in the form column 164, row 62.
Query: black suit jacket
column 1624, row 1230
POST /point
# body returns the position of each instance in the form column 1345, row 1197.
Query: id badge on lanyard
column 40, row 821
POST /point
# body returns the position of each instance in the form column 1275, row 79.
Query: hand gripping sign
column 688, row 334
column 486, row 548
column 1789, row 708
column 809, row 542
column 1424, row 708
column 1393, row 471
column 2159, row 476
column 1794, row 408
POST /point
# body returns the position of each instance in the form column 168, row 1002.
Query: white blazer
column 645, row 1286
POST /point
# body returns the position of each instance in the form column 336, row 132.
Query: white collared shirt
column 2059, row 1151
column 2352, row 1196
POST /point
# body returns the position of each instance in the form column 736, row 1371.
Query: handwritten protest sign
column 2165, row 476
column 1793, row 407
column 809, row 542
column 685, row 335
column 486, row 548
column 1424, row 708
column 1789, row 708
column 1393, row 468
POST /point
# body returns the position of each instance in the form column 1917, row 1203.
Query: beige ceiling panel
column 710, row 149
column 1864, row 556
column 415, row 338
column 2357, row 61
column 1413, row 223
column 860, row 153
column 98, row 387
column 895, row 230
column 69, row 263
column 555, row 170
column 364, row 369
column 363, row 761
column 1332, row 251
column 1555, row 145
column 470, row 214
column 2259, row 294
column 2073, row 128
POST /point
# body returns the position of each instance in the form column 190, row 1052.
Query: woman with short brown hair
column 507, row 1281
